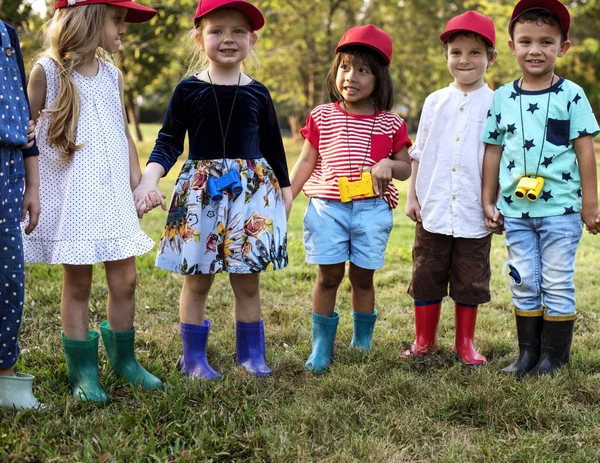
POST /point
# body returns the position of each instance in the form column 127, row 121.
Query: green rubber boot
column 82, row 364
column 119, row 347
column 16, row 392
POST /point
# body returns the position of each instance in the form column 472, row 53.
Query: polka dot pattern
column 14, row 113
column 88, row 215
column 12, row 276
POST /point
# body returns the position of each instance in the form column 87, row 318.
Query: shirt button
column 457, row 139
column 464, row 94
column 454, row 169
column 453, row 198
column 462, row 110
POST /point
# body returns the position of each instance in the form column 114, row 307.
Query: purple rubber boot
column 193, row 362
column 251, row 348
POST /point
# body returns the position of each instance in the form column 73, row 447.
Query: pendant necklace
column 368, row 142
column 523, row 127
column 224, row 132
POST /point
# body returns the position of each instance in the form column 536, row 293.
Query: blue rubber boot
column 120, row 350
column 251, row 351
column 193, row 362
column 82, row 365
column 363, row 330
column 323, row 335
column 16, row 392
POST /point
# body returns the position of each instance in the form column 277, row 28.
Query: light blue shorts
column 358, row 230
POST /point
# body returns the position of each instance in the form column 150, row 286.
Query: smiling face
column 467, row 57
column 536, row 46
column 355, row 82
column 113, row 28
column 227, row 37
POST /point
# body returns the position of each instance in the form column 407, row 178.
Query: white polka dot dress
column 87, row 209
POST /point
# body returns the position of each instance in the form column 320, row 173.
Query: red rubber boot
column 466, row 317
column 427, row 317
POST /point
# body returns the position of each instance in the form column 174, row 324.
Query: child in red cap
column 354, row 147
column 540, row 155
column 452, row 244
column 229, row 206
column 88, row 165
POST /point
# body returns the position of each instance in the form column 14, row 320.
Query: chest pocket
column 381, row 147
column 557, row 132
column 14, row 113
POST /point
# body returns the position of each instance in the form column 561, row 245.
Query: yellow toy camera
column 362, row 187
column 529, row 187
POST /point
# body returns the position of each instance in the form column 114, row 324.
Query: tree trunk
column 295, row 126
column 133, row 117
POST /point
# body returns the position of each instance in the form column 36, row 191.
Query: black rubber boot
column 557, row 336
column 529, row 334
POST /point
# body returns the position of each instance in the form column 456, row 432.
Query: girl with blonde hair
column 228, row 210
column 88, row 169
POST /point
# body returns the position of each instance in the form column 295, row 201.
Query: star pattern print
column 543, row 149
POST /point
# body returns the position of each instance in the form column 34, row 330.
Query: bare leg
column 326, row 286
column 7, row 372
column 192, row 302
column 246, row 291
column 363, row 291
column 121, row 280
column 75, row 299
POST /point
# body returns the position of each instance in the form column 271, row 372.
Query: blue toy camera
column 230, row 180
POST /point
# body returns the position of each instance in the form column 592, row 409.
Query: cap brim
column 362, row 44
column 447, row 34
column 137, row 13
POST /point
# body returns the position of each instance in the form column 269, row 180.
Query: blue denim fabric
column 12, row 275
column 357, row 230
column 541, row 253
column 14, row 109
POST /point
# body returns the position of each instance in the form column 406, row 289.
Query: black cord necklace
column 523, row 127
column 368, row 142
column 224, row 132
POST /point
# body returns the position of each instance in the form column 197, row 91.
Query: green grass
column 376, row 409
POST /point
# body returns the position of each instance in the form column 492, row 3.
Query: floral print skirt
column 243, row 233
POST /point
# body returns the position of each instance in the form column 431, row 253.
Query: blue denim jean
column 12, row 275
column 541, row 253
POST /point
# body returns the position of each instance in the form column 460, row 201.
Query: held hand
column 381, row 173
column 31, row 204
column 288, row 200
column 146, row 197
column 494, row 221
column 413, row 210
column 30, row 138
column 591, row 218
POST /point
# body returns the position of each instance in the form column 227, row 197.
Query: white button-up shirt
column 450, row 154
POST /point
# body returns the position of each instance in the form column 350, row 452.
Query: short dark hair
column 538, row 16
column 383, row 93
column 488, row 48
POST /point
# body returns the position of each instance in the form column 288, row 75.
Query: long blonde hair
column 197, row 59
column 73, row 35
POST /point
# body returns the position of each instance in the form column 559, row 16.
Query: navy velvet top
column 14, row 41
column 253, row 131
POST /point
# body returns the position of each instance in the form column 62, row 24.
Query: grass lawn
column 379, row 408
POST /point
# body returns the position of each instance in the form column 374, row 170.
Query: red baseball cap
column 257, row 20
column 136, row 13
column 471, row 21
column 553, row 6
column 368, row 36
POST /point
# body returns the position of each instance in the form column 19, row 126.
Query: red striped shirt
column 343, row 152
